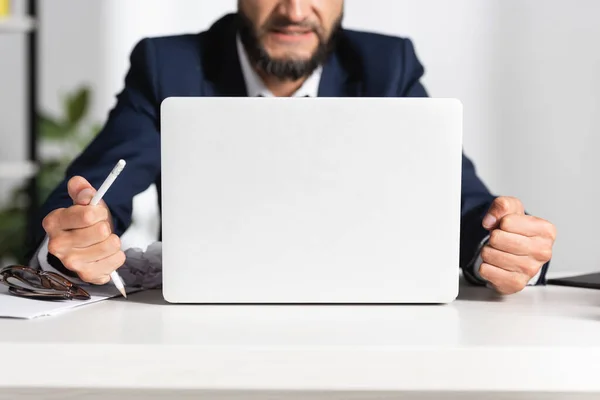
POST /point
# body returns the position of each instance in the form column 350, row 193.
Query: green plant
column 62, row 138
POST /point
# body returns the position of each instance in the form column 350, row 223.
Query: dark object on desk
column 588, row 281
column 41, row 285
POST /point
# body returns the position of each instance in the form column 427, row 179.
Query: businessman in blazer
column 268, row 48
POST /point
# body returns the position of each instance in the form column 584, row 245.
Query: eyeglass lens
column 31, row 283
column 28, row 279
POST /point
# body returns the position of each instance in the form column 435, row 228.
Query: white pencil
column 118, row 282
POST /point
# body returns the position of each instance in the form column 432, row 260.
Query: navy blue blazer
column 207, row 64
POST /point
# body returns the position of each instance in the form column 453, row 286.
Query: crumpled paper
column 143, row 269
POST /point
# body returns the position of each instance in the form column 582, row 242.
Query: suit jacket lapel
column 338, row 80
column 222, row 68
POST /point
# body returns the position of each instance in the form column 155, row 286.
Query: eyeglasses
column 42, row 285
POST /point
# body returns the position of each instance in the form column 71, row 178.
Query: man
column 269, row 48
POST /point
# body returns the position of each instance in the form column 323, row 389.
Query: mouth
column 292, row 34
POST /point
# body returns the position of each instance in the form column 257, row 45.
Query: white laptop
column 311, row 200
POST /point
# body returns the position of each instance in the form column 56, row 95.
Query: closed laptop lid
column 319, row 200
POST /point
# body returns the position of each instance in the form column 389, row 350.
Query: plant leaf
column 49, row 176
column 65, row 132
column 95, row 130
column 51, row 129
column 87, row 136
column 77, row 106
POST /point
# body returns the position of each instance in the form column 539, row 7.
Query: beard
column 285, row 69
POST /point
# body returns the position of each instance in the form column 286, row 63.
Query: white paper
column 142, row 270
column 25, row 308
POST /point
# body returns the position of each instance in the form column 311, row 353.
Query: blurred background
column 527, row 71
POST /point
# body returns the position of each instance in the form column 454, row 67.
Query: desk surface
column 543, row 339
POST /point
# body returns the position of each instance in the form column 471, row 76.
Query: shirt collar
column 255, row 87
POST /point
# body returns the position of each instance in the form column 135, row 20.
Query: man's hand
column 81, row 236
column 519, row 246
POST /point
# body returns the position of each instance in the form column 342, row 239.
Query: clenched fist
column 518, row 247
column 81, row 236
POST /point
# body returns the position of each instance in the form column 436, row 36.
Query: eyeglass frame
column 53, row 286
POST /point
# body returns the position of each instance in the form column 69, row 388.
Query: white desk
column 534, row 345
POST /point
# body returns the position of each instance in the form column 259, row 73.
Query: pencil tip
column 123, row 292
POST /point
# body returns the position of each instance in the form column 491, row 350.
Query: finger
column 102, row 280
column 80, row 191
column 510, row 262
column 528, row 226
column 101, row 250
column 501, row 207
column 74, row 217
column 79, row 238
column 78, row 259
column 505, row 282
column 94, row 272
column 510, row 243
column 78, row 217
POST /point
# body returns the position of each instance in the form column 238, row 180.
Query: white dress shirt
column 255, row 87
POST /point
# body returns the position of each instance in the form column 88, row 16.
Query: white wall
column 13, row 142
column 526, row 70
